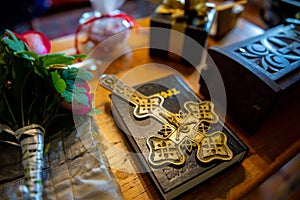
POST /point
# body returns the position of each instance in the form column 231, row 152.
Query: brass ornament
column 181, row 132
column 179, row 9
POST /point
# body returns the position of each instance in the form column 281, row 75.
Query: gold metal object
column 180, row 10
column 181, row 132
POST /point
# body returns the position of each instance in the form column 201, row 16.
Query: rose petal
column 37, row 42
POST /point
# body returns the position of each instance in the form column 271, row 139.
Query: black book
column 184, row 143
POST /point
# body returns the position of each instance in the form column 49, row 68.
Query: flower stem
column 21, row 97
column 30, row 109
column 55, row 116
column 49, row 113
column 9, row 108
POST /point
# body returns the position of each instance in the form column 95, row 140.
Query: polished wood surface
column 269, row 149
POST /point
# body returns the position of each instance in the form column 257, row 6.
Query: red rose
column 36, row 41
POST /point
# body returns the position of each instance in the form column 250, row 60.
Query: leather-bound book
column 181, row 139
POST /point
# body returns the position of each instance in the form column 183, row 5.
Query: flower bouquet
column 38, row 93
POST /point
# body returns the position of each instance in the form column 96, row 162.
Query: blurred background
column 56, row 18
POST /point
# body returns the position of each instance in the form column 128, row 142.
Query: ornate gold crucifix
column 181, row 132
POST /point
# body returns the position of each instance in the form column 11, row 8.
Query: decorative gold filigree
column 181, row 132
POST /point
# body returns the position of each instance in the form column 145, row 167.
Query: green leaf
column 80, row 96
column 14, row 43
column 11, row 34
column 77, row 94
column 29, row 55
column 15, row 46
column 56, row 58
column 70, row 73
column 40, row 70
column 80, row 90
column 79, row 74
column 80, row 56
column 84, row 74
column 58, row 82
column 67, row 95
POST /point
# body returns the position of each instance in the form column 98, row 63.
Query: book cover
column 181, row 139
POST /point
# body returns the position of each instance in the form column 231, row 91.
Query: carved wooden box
column 257, row 73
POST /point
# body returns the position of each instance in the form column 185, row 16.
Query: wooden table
column 270, row 149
